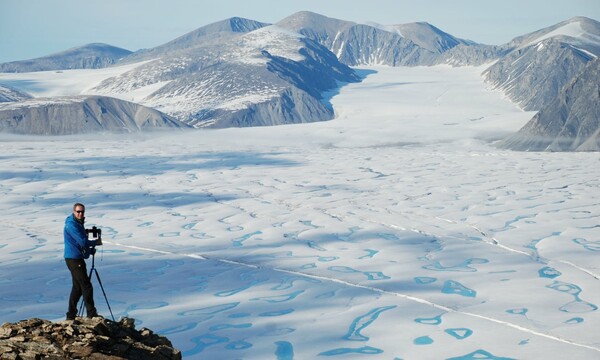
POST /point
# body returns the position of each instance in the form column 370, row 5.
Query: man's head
column 78, row 211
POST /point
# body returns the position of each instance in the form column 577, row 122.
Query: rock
column 83, row 338
column 80, row 115
column 6, row 332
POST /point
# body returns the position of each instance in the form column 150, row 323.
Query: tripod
column 94, row 270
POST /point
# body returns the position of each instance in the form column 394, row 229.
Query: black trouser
column 81, row 286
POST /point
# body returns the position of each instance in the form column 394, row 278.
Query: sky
column 34, row 28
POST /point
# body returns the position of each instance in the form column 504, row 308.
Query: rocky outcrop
column 83, row 338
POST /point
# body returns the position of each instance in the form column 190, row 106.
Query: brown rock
column 80, row 350
column 9, row 356
column 83, row 338
column 6, row 331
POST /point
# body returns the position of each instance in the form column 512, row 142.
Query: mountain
column 9, row 94
column 570, row 122
column 241, row 72
column 538, row 65
column 413, row 44
column 268, row 76
column 80, row 114
column 357, row 44
column 428, row 36
column 90, row 56
column 544, row 71
column 212, row 33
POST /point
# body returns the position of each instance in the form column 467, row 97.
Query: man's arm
column 77, row 232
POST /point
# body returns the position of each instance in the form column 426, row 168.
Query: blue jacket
column 77, row 246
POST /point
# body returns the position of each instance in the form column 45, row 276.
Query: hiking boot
column 70, row 316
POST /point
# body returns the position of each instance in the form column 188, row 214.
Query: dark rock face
column 571, row 122
column 534, row 76
column 83, row 338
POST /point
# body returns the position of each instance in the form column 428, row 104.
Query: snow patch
column 273, row 39
column 572, row 29
column 63, row 82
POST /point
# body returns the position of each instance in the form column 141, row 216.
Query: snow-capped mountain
column 269, row 76
column 212, row 33
column 411, row 44
column 539, row 64
column 579, row 31
column 90, row 56
column 428, row 36
column 358, row 44
column 79, row 115
column 542, row 71
column 571, row 122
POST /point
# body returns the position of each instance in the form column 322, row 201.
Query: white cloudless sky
column 34, row 28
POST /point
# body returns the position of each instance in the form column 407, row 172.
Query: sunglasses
column 80, row 212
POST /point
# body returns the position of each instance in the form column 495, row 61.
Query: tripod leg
column 80, row 313
column 104, row 293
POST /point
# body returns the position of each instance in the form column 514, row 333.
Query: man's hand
column 92, row 251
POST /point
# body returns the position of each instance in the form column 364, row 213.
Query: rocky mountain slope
column 412, row 44
column 542, row 71
column 539, row 64
column 79, row 115
column 268, row 76
column 90, row 56
column 358, row 44
column 83, row 338
column 570, row 122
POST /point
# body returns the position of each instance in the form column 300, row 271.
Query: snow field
column 393, row 231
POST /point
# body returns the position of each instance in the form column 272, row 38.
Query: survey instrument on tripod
column 95, row 234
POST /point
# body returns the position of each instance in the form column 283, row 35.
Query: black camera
column 94, row 234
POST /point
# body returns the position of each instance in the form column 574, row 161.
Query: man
column 78, row 248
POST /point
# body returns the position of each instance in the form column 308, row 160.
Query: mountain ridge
column 206, row 34
column 89, row 56
column 80, row 115
column 241, row 72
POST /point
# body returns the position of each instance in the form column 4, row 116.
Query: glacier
column 394, row 231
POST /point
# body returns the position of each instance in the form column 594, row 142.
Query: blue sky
column 33, row 28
